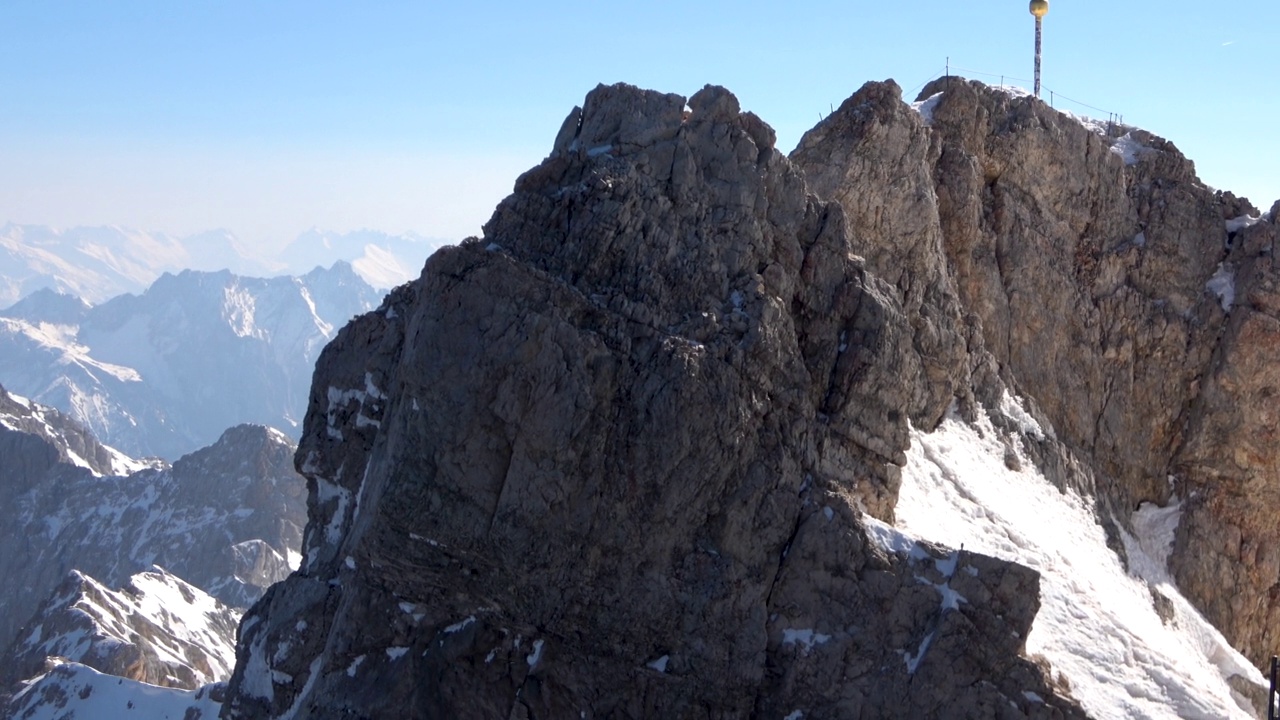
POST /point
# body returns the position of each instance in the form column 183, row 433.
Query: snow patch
column 892, row 539
column 925, row 107
column 355, row 665
column 660, row 664
column 1223, row 285
column 1013, row 410
column 326, row 492
column 805, row 638
column 257, row 680
column 1129, row 149
column 397, row 652
column 913, row 661
column 1242, row 222
column 533, row 657
column 459, row 626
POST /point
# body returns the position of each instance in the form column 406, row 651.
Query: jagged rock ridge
column 157, row 629
column 611, row 461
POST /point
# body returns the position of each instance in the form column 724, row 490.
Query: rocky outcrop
column 612, row 460
column 225, row 519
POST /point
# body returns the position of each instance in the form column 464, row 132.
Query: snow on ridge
column 1013, row 91
column 1129, row 149
column 72, row 690
column 1245, row 221
column 1097, row 624
column 925, row 107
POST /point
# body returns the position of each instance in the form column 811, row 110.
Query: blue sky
column 268, row 118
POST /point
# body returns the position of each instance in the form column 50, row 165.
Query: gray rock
column 611, row 461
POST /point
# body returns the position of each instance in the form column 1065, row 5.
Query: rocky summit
column 636, row 452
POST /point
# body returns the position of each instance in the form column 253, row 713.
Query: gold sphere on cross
column 1039, row 8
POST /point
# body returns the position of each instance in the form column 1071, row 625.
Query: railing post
column 1271, row 694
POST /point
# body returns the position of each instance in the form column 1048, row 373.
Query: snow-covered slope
column 156, row 629
column 72, row 690
column 165, row 372
column 1125, row 640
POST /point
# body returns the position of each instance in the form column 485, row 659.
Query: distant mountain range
column 139, row 570
column 98, row 263
column 164, row 372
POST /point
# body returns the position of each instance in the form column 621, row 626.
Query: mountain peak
column 657, row 426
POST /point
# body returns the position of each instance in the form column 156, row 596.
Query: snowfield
column 1098, row 623
column 72, row 690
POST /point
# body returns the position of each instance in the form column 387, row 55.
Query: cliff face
column 1135, row 306
column 614, row 459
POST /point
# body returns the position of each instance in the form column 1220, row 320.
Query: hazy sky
column 267, row 118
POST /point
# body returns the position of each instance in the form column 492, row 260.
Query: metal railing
column 1112, row 116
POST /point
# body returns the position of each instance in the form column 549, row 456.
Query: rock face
column 225, row 518
column 163, row 373
column 157, row 629
column 611, row 461
column 1135, row 305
